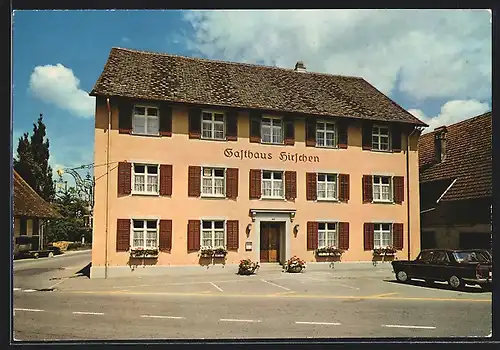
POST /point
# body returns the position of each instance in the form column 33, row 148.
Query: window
column 325, row 134
column 146, row 120
column 212, row 233
column 213, row 182
column 380, row 138
column 382, row 189
column 327, row 234
column 382, row 235
column 212, row 125
column 145, row 179
column 272, row 184
column 145, row 234
column 327, row 186
column 272, row 130
column 23, row 227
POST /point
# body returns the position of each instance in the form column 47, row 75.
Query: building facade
column 265, row 162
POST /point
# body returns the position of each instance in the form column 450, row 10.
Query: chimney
column 300, row 67
column 440, row 143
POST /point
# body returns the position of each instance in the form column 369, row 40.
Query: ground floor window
column 212, row 233
column 382, row 235
column 145, row 234
column 327, row 234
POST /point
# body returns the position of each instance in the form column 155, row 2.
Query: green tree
column 32, row 161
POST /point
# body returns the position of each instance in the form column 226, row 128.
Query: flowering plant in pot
column 384, row 251
column 140, row 252
column 220, row 252
column 294, row 264
column 329, row 251
column 206, row 252
column 247, row 267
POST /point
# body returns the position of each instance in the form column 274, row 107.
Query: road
column 271, row 304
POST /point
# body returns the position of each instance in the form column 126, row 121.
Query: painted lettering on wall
column 283, row 156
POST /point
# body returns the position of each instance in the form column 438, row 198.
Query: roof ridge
column 468, row 120
column 27, row 184
column 155, row 53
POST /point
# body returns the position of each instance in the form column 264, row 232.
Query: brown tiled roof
column 468, row 158
column 165, row 77
column 28, row 203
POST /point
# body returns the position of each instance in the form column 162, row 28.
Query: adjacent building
column 456, row 185
column 261, row 162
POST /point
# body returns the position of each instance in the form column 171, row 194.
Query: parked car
column 457, row 267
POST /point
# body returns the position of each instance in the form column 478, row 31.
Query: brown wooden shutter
column 312, row 235
column 193, row 235
column 397, row 236
column 194, row 181
column 194, row 123
column 343, row 134
column 165, row 242
column 344, row 235
column 396, row 138
column 255, row 183
column 311, row 186
column 399, row 189
column 165, row 120
column 290, row 185
column 122, row 235
column 367, row 188
column 367, row 135
column 165, row 180
column 232, row 126
column 344, row 187
column 368, row 233
column 255, row 120
column 124, row 178
column 310, row 131
column 232, row 183
column 289, row 126
column 232, row 234
column 125, row 109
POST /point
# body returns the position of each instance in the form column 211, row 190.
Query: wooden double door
column 270, row 241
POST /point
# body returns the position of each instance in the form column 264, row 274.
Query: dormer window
column 440, row 144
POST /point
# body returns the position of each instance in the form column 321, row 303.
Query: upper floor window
column 380, row 138
column 145, row 178
column 145, row 234
column 327, row 234
column 325, row 134
column 213, row 181
column 213, row 233
column 272, row 184
column 272, row 130
column 145, row 120
column 382, row 189
column 212, row 125
column 327, row 186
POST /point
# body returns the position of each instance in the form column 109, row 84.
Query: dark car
column 54, row 250
column 457, row 267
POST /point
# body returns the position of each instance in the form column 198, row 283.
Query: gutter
column 107, row 192
column 416, row 128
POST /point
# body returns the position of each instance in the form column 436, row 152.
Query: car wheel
column 455, row 282
column 51, row 255
column 402, row 276
column 36, row 255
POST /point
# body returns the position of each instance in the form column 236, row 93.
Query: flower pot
column 325, row 254
column 219, row 255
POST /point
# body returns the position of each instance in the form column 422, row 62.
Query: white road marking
column 17, row 289
column 87, row 313
column 236, row 320
column 169, row 317
column 29, row 290
column 320, row 323
column 52, row 286
column 276, row 285
column 216, row 286
column 412, row 327
column 34, row 310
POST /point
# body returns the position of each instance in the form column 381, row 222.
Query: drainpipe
column 408, row 186
column 107, row 191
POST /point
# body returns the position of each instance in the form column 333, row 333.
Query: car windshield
column 475, row 256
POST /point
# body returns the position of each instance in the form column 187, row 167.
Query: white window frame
column 328, row 232
column 377, row 230
column 212, row 124
column 326, row 132
column 380, row 185
column 146, row 118
column 146, row 192
column 212, row 230
column 273, row 182
column 326, row 182
column 379, row 136
column 272, row 128
column 145, row 230
column 213, row 177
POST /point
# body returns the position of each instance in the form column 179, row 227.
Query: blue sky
column 436, row 64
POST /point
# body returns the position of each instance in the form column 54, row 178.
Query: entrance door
column 269, row 241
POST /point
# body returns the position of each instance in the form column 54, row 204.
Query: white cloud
column 438, row 53
column 125, row 39
column 59, row 86
column 452, row 112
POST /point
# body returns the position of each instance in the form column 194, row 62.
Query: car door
column 419, row 268
column 438, row 266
